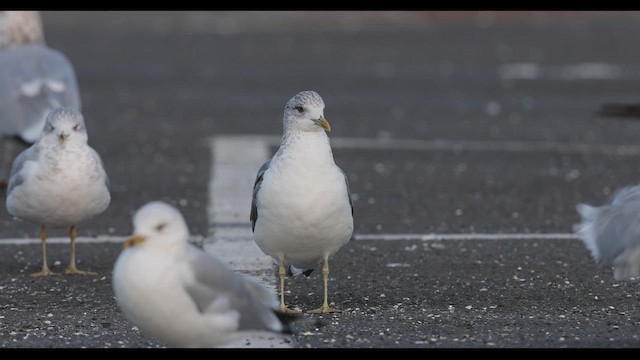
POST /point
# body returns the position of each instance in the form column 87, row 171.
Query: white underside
column 149, row 286
column 63, row 193
column 304, row 215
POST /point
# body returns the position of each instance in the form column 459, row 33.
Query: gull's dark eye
column 50, row 128
column 300, row 109
column 161, row 226
column 76, row 128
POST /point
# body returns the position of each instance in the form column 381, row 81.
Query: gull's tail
column 294, row 271
column 585, row 229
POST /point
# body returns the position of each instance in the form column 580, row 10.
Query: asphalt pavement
column 512, row 96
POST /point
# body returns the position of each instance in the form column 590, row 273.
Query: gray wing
column 214, row 279
column 617, row 226
column 104, row 171
column 253, row 217
column 346, row 181
column 34, row 80
column 16, row 178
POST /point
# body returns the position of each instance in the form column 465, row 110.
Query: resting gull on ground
column 301, row 212
column 178, row 293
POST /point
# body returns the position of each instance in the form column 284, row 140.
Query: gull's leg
column 283, row 308
column 45, row 268
column 72, row 269
column 325, row 308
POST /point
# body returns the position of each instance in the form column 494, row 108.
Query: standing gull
column 34, row 80
column 301, row 212
column 59, row 181
column 181, row 295
column 612, row 232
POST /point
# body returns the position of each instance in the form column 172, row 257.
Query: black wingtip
column 307, row 272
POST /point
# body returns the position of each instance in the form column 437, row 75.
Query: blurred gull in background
column 612, row 232
column 34, row 80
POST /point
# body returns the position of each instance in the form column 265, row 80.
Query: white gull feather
column 181, row 295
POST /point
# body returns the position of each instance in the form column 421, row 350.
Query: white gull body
column 302, row 212
column 181, row 295
column 60, row 180
column 612, row 232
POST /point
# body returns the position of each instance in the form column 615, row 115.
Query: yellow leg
column 283, row 308
column 72, row 269
column 45, row 268
column 325, row 308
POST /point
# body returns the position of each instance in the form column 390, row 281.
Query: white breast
column 61, row 189
column 304, row 213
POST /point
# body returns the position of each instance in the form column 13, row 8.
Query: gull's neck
column 311, row 146
column 68, row 147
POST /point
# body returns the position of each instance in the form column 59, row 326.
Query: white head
column 158, row 223
column 304, row 112
column 64, row 126
column 20, row 27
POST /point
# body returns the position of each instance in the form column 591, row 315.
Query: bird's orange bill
column 62, row 138
column 133, row 241
column 323, row 123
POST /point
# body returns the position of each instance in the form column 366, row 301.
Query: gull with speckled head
column 301, row 212
column 177, row 293
column 59, row 181
column 34, row 80
column 612, row 232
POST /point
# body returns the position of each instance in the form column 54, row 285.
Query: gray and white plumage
column 301, row 208
column 181, row 295
column 301, row 211
column 612, row 232
column 34, row 80
column 60, row 180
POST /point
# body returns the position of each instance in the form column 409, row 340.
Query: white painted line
column 581, row 71
column 237, row 247
column 590, row 71
column 520, row 71
column 65, row 240
column 236, row 160
column 479, row 145
column 472, row 236
column 241, row 254
column 250, row 144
